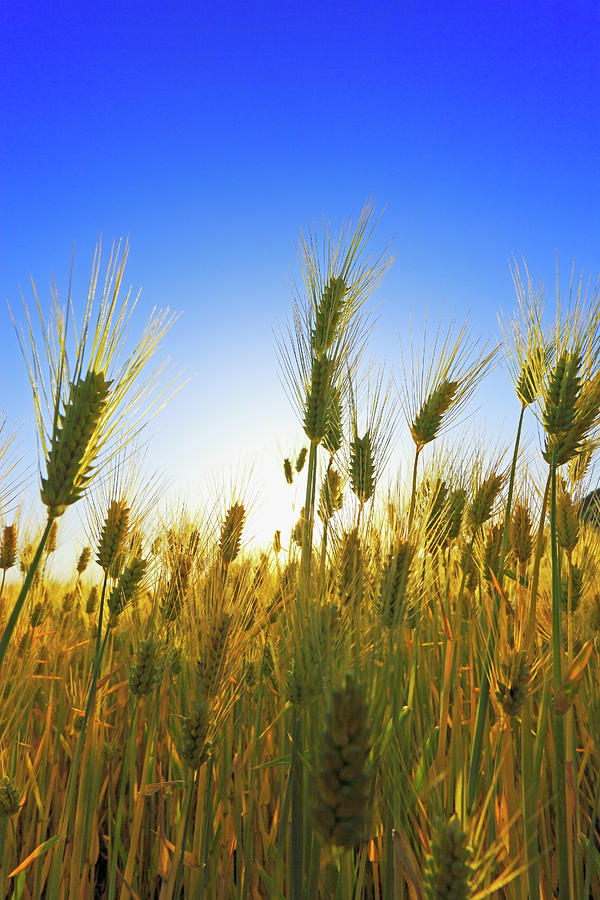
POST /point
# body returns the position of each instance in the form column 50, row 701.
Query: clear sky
column 211, row 133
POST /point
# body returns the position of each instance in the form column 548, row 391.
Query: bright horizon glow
column 214, row 135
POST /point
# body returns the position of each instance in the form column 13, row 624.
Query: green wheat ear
column 194, row 747
column 512, row 693
column 287, row 470
column 351, row 569
column 343, row 780
column 394, row 579
column 146, row 672
column 334, row 432
column 362, row 467
column 211, row 666
column 332, row 496
column 567, row 522
column 113, row 537
column 72, row 451
column 301, row 459
column 126, row 589
column 328, row 315
column 427, row 422
column 231, row 533
column 10, row 798
column 561, row 398
column 483, row 501
column 448, row 872
column 318, row 399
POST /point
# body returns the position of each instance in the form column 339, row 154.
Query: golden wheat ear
column 8, row 547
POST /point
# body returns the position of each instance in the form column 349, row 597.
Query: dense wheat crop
column 397, row 700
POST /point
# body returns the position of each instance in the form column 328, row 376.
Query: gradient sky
column 211, row 133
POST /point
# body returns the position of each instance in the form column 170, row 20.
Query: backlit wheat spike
column 92, row 601
column 194, row 747
column 394, row 579
column 331, row 498
column 579, row 464
column 231, row 533
column 435, row 523
column 287, row 470
column 564, row 387
column 455, row 505
column 448, row 873
column 10, row 798
column 482, row 504
column 334, row 431
column 8, row 547
column 172, row 604
column 318, row 399
column 343, row 781
column 26, row 557
column 210, row 667
column 72, row 452
column 39, row 613
column 491, row 552
column 68, row 602
column 569, row 444
column 51, row 541
column 351, row 574
column 174, row 660
column 530, row 353
column 529, row 377
column 512, row 694
column 146, row 672
column 576, row 585
column 521, row 542
column 428, row 420
column 305, row 681
column 328, row 315
column 113, row 537
column 84, row 558
column 567, row 522
column 301, row 459
column 298, row 529
column 362, row 467
column 126, row 589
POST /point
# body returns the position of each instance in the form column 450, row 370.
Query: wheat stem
column 558, row 722
column 484, row 691
column 20, row 601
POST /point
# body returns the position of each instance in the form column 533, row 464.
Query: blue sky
column 211, row 133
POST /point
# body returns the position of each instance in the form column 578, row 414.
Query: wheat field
column 399, row 699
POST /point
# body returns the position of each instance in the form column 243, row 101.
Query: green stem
column 297, row 816
column 529, row 791
column 558, row 722
column 20, row 602
column 307, row 534
column 186, row 827
column 115, row 843
column 413, row 493
column 484, row 690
